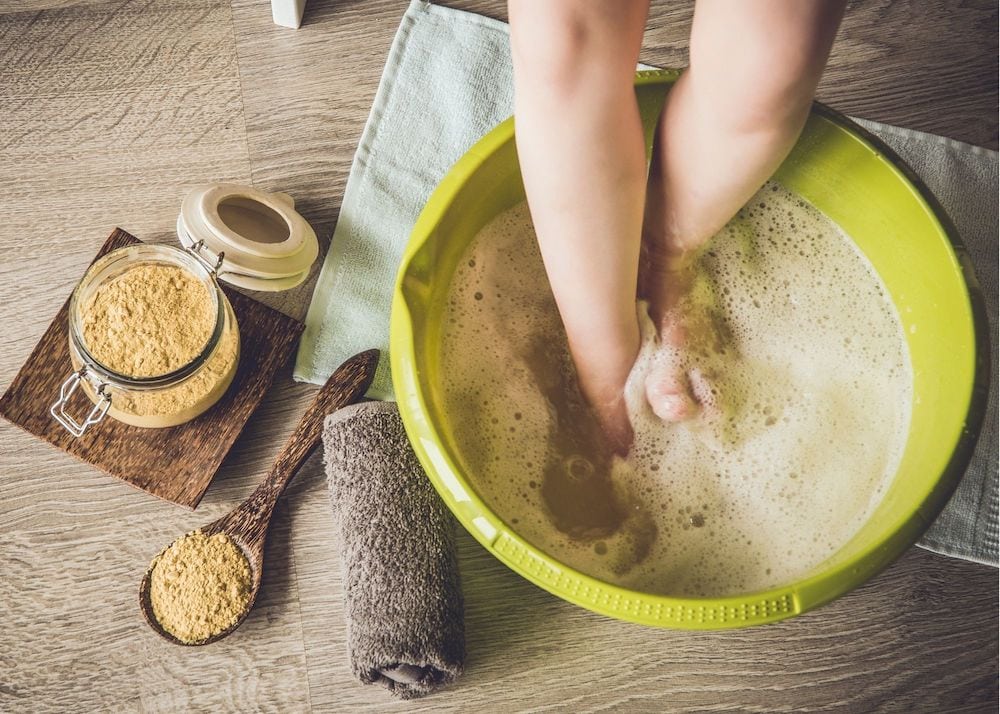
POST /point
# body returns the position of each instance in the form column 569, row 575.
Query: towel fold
column 447, row 81
column 403, row 599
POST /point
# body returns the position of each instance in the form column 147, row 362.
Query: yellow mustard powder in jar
column 152, row 320
column 149, row 321
column 207, row 384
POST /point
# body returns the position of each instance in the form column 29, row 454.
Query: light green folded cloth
column 447, row 81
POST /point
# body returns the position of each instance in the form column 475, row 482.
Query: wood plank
column 73, row 642
column 923, row 65
column 111, row 112
column 209, row 93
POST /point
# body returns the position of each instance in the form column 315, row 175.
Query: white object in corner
column 288, row 13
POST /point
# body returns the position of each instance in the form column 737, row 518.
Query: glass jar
column 159, row 400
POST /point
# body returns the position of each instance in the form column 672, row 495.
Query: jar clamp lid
column 256, row 239
column 99, row 379
column 238, row 234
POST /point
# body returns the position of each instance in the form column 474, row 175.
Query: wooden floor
column 109, row 113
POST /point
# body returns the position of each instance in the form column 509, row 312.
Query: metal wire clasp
column 199, row 252
column 58, row 410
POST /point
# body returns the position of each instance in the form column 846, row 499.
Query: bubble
column 801, row 309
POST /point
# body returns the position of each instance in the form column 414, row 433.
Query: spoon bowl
column 254, row 554
column 247, row 524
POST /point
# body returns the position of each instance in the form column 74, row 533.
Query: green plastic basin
column 858, row 182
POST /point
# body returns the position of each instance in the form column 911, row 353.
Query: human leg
column 580, row 145
column 727, row 125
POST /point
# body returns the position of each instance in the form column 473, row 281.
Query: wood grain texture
column 923, row 64
column 176, row 463
column 205, row 90
column 247, row 524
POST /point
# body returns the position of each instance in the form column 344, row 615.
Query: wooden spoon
column 247, row 523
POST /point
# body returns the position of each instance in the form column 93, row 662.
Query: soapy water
column 816, row 393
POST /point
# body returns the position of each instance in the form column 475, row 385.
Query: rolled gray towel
column 405, row 617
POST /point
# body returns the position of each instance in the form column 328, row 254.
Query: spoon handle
column 348, row 382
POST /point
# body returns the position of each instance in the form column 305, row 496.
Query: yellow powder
column 199, row 586
column 204, row 387
column 149, row 321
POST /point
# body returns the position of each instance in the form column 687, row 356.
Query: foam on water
column 753, row 496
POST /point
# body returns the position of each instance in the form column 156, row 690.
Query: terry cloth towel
column 447, row 82
column 404, row 608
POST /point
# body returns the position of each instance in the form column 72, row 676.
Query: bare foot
column 577, row 485
column 606, row 401
column 693, row 336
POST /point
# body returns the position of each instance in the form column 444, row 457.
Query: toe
column 669, row 396
column 673, row 332
column 703, row 389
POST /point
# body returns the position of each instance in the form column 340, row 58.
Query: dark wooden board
column 176, row 463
